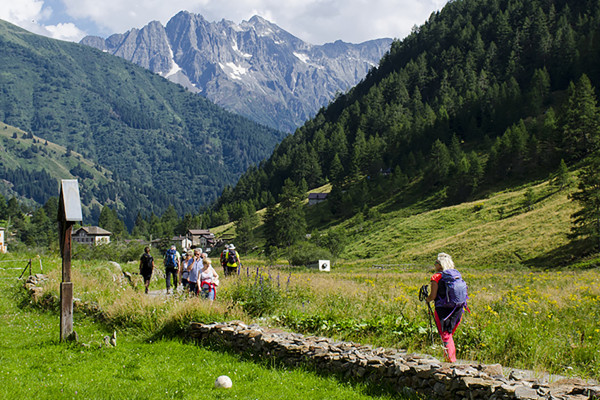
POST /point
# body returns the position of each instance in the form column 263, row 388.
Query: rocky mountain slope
column 255, row 69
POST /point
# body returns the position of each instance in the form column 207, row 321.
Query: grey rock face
column 255, row 69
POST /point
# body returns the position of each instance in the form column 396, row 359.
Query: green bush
column 305, row 253
column 257, row 294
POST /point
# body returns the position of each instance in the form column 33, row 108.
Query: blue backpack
column 452, row 290
column 171, row 258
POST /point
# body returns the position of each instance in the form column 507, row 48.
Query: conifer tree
column 561, row 178
column 586, row 221
column 581, row 128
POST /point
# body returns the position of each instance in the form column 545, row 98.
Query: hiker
column 449, row 291
column 146, row 267
column 209, row 279
column 194, row 269
column 187, row 260
column 172, row 264
column 232, row 261
column 224, row 259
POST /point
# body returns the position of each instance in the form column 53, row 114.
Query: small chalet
column 201, row 238
column 3, row 248
column 316, row 198
column 92, row 235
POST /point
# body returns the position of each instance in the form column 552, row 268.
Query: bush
column 305, row 253
column 258, row 294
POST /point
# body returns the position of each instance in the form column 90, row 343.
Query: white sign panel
column 324, row 265
column 72, row 202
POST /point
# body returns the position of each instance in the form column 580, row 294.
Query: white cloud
column 316, row 21
column 67, row 31
column 32, row 14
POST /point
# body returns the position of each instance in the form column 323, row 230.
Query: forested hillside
column 486, row 93
column 160, row 144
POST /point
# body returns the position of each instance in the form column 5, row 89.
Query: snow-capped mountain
column 255, row 68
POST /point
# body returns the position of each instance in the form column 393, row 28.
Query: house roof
column 201, row 232
column 317, row 196
column 94, row 231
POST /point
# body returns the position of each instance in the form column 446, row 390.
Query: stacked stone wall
column 393, row 368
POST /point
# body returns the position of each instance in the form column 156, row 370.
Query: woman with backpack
column 449, row 291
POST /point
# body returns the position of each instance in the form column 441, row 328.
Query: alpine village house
column 92, row 235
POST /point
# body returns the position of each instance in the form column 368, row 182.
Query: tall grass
column 33, row 364
column 522, row 318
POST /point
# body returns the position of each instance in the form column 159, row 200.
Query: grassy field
column 534, row 300
column 33, row 364
column 522, row 318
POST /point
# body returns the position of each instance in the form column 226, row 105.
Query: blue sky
column 314, row 21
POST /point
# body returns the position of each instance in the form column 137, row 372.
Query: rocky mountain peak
column 255, row 69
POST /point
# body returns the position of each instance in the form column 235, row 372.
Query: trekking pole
column 423, row 293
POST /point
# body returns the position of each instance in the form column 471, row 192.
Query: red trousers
column 449, row 349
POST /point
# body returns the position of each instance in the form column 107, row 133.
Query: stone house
column 92, row 235
column 201, row 238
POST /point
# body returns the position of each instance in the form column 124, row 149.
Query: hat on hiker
column 231, row 247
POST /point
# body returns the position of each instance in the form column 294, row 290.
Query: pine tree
column 336, row 172
column 581, row 127
column 3, row 208
column 441, row 161
column 140, row 227
column 244, row 230
column 291, row 223
column 586, row 221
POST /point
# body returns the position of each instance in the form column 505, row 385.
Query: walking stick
column 423, row 293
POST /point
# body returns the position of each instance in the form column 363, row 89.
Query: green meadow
column 34, row 364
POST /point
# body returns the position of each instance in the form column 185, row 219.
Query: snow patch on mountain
column 235, row 48
column 233, row 71
column 174, row 66
column 302, row 57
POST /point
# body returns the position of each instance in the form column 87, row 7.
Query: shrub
column 304, row 253
column 257, row 294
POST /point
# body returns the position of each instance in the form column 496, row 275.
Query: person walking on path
column 186, row 261
column 209, row 279
column 194, row 269
column 449, row 291
column 146, row 267
column 232, row 261
column 172, row 264
column 224, row 259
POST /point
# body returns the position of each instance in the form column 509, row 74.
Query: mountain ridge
column 254, row 68
column 132, row 122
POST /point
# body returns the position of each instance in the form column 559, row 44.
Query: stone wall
column 391, row 367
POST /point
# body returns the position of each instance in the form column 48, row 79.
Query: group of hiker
column 447, row 289
column 193, row 269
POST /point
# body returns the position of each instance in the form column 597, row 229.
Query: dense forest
column 161, row 144
column 484, row 93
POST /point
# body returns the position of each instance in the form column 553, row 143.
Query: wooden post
column 69, row 211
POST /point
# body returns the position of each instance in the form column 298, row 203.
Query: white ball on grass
column 223, row 382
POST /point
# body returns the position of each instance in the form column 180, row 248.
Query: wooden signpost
column 69, row 212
